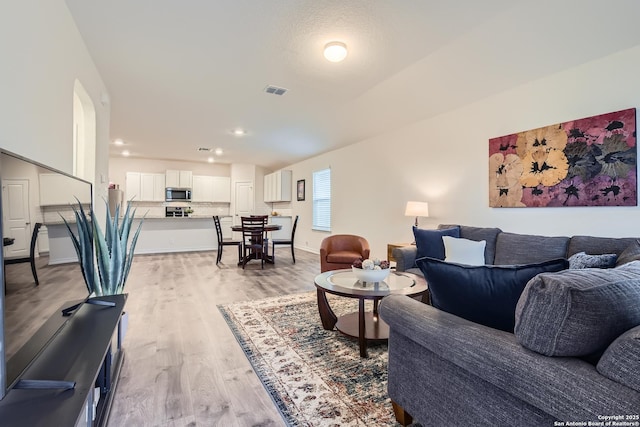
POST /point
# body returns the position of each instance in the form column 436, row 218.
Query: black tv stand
column 87, row 351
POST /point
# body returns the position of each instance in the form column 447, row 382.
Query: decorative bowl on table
column 371, row 271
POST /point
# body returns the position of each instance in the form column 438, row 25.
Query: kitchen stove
column 175, row 211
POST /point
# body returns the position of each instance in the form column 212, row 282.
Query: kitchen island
column 180, row 234
column 158, row 235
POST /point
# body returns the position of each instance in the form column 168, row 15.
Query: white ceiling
column 183, row 74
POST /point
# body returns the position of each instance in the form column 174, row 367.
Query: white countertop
column 192, row 216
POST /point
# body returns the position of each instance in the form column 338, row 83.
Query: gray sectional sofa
column 445, row 370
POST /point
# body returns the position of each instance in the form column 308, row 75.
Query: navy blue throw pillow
column 429, row 242
column 485, row 294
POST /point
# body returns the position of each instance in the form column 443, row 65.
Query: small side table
column 391, row 247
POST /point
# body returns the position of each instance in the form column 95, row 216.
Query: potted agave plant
column 106, row 268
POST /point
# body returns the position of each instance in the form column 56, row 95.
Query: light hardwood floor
column 183, row 366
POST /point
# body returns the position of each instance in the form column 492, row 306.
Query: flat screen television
column 35, row 193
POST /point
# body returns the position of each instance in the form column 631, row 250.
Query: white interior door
column 244, row 203
column 15, row 217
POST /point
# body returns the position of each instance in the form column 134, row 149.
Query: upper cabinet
column 152, row 187
column 211, row 189
column 179, row 179
column 145, row 187
column 277, row 186
column 202, row 190
column 132, row 186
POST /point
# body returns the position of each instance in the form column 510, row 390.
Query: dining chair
column 254, row 239
column 289, row 241
column 222, row 243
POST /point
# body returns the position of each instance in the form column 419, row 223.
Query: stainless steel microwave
column 178, row 194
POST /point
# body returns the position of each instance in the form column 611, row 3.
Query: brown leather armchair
column 340, row 250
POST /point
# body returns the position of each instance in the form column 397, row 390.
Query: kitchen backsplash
column 157, row 209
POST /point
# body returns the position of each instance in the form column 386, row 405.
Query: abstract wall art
column 585, row 162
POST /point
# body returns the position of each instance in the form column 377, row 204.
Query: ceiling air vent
column 206, row 149
column 275, row 90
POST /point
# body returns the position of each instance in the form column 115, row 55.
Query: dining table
column 253, row 255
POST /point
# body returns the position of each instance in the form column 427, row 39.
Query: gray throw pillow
column 621, row 361
column 584, row 260
column 578, row 312
column 631, row 253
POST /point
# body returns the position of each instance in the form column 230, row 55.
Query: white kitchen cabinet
column 172, row 178
column 144, row 187
column 133, row 186
column 159, row 187
column 186, row 179
column 202, row 190
column 179, row 179
column 277, row 186
column 215, row 189
column 222, row 189
column 152, row 187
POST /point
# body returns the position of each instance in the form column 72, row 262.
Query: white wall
column 444, row 161
column 42, row 56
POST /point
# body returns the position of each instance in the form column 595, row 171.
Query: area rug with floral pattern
column 315, row 377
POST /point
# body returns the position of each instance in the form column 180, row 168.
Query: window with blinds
column 322, row 200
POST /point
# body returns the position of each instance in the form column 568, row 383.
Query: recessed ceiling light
column 126, row 153
column 219, row 151
column 239, row 132
column 335, row 51
column 118, row 141
column 210, row 160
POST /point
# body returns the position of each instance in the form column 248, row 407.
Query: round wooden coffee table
column 363, row 325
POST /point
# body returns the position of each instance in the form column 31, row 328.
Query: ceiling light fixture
column 118, row 141
column 335, row 51
column 210, row 160
column 126, row 153
column 239, row 132
column 218, row 151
